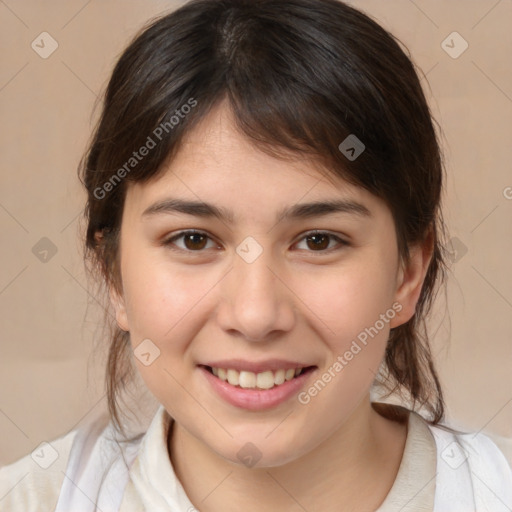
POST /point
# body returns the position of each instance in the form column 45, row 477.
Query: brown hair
column 300, row 76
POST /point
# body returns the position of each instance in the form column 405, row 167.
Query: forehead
column 216, row 143
column 218, row 164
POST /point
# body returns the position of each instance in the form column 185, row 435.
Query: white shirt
column 440, row 471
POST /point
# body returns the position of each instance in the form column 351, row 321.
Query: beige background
column 48, row 381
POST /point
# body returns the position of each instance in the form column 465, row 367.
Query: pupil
column 318, row 244
column 193, row 241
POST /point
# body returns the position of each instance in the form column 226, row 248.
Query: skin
column 293, row 302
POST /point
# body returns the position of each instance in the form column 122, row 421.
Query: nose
column 257, row 303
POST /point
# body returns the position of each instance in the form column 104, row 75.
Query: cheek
column 162, row 304
column 354, row 315
column 159, row 297
column 349, row 301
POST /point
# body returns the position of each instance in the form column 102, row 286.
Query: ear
column 410, row 279
column 116, row 299
column 119, row 306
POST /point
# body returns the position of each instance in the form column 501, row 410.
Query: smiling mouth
column 263, row 380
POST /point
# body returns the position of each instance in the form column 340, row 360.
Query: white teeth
column 263, row 380
column 247, row 379
column 279, row 377
column 233, row 377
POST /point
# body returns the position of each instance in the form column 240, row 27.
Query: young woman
column 264, row 192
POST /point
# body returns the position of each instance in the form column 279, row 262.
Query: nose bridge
column 256, row 303
column 255, row 278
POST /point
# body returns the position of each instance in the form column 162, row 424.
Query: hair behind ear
column 409, row 366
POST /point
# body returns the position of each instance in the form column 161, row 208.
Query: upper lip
column 256, row 367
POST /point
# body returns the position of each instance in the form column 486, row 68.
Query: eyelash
column 170, row 241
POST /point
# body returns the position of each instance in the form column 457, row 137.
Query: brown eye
column 193, row 241
column 320, row 241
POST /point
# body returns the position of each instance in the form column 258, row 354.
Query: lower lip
column 256, row 399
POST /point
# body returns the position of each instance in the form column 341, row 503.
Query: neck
column 364, row 453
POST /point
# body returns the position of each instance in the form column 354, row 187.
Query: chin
column 261, row 454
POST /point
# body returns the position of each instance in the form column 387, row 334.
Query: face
column 263, row 286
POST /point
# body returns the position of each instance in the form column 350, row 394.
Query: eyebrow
column 297, row 211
